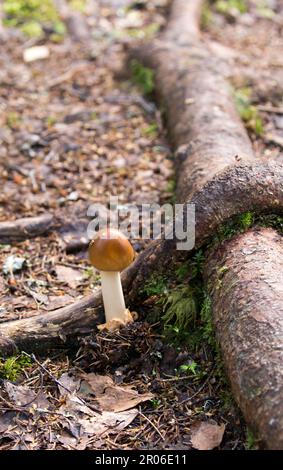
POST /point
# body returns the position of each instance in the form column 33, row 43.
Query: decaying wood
column 28, row 227
column 217, row 171
column 52, row 329
column 71, row 226
column 245, row 280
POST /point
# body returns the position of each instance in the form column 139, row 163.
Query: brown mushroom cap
column 110, row 250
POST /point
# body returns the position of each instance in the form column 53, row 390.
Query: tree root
column 218, row 172
column 245, row 281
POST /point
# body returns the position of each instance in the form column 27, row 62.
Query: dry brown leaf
column 21, row 395
column 58, row 301
column 118, row 398
column 7, row 421
column 112, row 397
column 68, row 384
column 98, row 383
column 207, row 435
column 69, row 276
column 107, row 422
column 82, row 421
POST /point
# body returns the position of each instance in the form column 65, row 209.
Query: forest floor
column 76, row 128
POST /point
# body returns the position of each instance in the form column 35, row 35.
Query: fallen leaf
column 82, row 421
column 207, row 435
column 67, row 440
column 98, row 383
column 21, row 395
column 112, row 397
column 107, row 422
column 7, row 421
column 75, row 407
column 69, row 276
column 68, row 384
column 39, row 297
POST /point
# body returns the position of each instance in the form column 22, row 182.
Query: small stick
column 32, row 356
column 152, row 424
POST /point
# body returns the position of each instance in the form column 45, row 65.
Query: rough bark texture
column 245, row 279
column 204, row 126
column 54, row 329
column 22, row 229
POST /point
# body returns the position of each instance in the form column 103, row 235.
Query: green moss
column 248, row 112
column 31, row 16
column 33, row 29
column 151, row 130
column 237, row 224
column 155, row 285
column 143, row 77
column 225, row 6
column 250, row 440
column 13, row 120
column 206, row 16
column 187, row 307
column 180, row 307
column 270, row 220
column 244, row 221
column 13, row 366
column 78, row 5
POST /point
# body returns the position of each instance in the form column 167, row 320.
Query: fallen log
column 24, row 228
column 53, row 329
column 71, row 226
column 219, row 173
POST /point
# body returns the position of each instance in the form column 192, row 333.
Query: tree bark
column 28, row 227
column 55, row 329
column 245, row 280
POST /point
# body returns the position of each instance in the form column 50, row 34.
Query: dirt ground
column 75, row 129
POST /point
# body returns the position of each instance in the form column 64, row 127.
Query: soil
column 75, row 130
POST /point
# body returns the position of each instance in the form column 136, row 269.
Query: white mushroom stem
column 113, row 298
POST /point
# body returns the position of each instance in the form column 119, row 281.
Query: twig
column 32, row 356
column 65, row 77
column 176, row 379
column 270, row 109
column 200, row 388
column 152, row 424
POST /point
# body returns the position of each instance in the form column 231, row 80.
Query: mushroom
column 110, row 252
